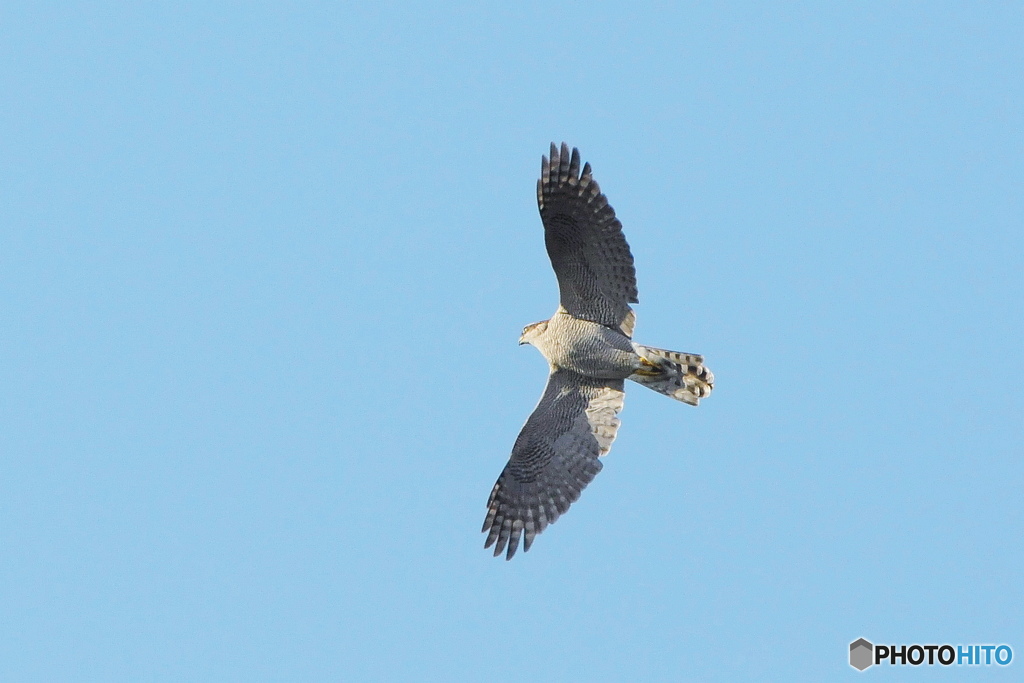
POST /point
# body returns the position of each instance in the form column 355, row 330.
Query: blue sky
column 263, row 269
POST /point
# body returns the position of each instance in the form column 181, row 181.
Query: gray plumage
column 589, row 348
column 589, row 253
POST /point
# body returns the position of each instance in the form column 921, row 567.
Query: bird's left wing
column 554, row 458
column 589, row 253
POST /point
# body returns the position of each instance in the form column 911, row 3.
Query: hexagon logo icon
column 861, row 654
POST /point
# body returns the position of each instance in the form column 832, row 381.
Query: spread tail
column 679, row 375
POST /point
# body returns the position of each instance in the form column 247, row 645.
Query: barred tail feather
column 679, row 375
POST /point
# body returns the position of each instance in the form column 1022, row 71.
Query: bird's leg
column 648, row 369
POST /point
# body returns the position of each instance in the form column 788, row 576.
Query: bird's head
column 532, row 332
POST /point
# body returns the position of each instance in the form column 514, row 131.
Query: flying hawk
column 589, row 348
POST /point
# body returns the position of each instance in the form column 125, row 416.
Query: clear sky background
column 262, row 273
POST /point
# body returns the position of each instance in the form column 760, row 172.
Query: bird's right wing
column 554, row 458
column 589, row 253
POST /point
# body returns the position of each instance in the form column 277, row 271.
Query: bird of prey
column 589, row 348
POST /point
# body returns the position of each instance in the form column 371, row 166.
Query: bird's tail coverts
column 682, row 376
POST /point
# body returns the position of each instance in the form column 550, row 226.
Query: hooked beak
column 521, row 340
